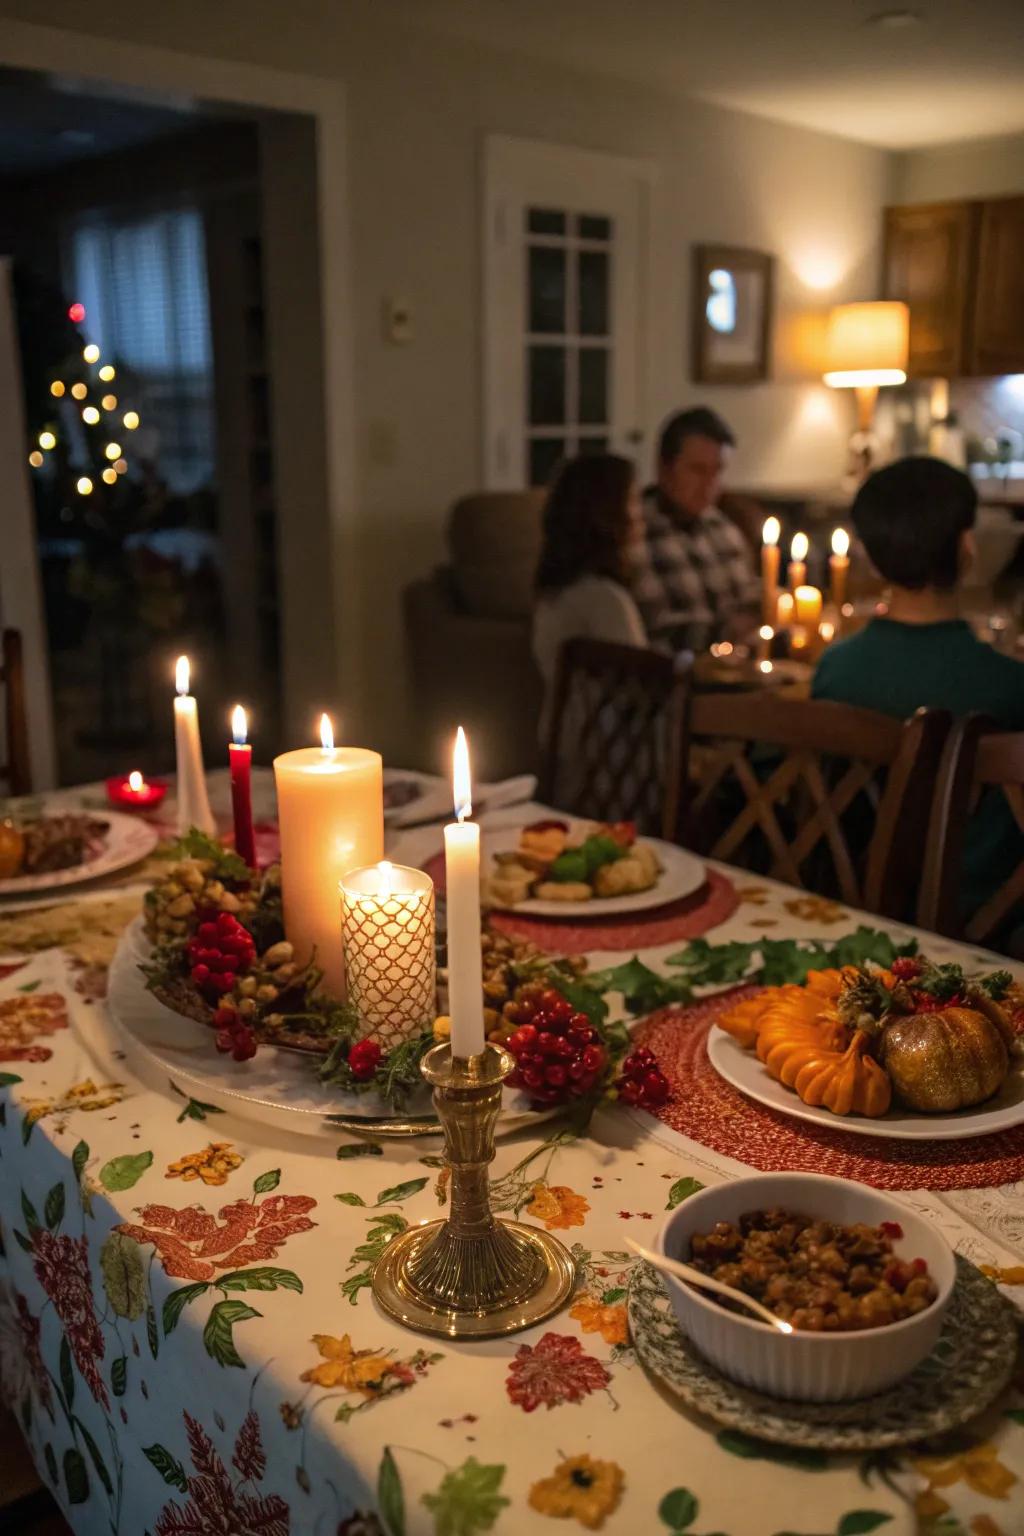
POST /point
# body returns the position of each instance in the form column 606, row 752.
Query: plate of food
column 562, row 867
column 38, row 853
column 920, row 1052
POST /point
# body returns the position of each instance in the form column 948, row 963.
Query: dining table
column 188, row 1334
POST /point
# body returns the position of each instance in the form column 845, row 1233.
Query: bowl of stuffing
column 862, row 1282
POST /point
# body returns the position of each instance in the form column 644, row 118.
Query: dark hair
column 698, row 422
column 585, row 521
column 910, row 516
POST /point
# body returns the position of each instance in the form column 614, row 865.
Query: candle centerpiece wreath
column 331, row 951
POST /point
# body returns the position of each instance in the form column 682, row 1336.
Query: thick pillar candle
column 193, row 804
column 330, row 806
column 808, row 606
column 770, row 554
column 798, row 561
column 240, row 761
column 839, row 567
column 462, row 886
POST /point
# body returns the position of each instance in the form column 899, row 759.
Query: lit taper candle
column 240, row 760
column 193, row 804
column 798, row 561
column 839, row 567
column 462, row 884
column 770, row 553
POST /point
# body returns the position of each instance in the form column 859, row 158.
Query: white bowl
column 810, row 1367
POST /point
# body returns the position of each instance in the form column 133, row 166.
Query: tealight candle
column 770, row 554
column 808, row 606
column 330, row 807
column 193, row 803
column 136, row 793
column 798, row 561
column 387, row 927
column 462, row 894
column 839, row 566
column 240, row 761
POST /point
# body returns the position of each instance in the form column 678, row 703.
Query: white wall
column 420, row 107
column 977, row 168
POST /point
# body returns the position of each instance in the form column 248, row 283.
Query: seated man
column 692, row 577
column 914, row 518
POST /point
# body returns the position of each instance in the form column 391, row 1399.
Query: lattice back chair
column 977, row 761
column 16, row 770
column 826, row 796
column 613, row 744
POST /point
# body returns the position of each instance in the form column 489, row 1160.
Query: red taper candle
column 240, row 756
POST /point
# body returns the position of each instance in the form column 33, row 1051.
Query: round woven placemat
column 710, row 1111
column 966, row 1371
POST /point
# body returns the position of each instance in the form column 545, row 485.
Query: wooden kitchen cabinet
column 996, row 335
column 929, row 263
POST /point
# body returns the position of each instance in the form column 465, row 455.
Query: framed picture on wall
column 732, row 314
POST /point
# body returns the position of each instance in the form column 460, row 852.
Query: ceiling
column 954, row 71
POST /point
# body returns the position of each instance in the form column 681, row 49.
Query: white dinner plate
column 126, row 840
column 742, row 1069
column 276, row 1087
column 682, row 873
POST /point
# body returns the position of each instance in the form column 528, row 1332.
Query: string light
column 91, row 353
column 79, row 391
column 56, row 389
column 90, row 415
column 109, row 402
column 121, row 466
column 113, row 450
column 107, row 372
column 35, row 458
column 84, row 486
column 47, row 440
column 131, row 420
column 110, row 475
column 76, row 313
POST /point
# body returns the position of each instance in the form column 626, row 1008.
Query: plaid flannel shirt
column 689, row 579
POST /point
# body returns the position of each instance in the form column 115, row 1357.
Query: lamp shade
column 866, row 344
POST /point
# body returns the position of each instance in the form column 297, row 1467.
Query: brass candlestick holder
column 471, row 1275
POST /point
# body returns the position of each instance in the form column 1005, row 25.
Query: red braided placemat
column 710, row 1111
column 688, row 918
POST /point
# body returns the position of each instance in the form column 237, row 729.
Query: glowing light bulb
column 107, row 372
column 91, row 353
column 35, row 458
column 113, row 450
column 47, row 440
column 840, row 542
column 110, row 475
column 57, row 389
column 79, row 391
column 799, row 547
column 109, row 402
column 90, row 415
column 84, row 486
column 131, row 420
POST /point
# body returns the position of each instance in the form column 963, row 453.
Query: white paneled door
column 565, row 240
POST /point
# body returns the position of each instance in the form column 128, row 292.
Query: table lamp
column 865, row 348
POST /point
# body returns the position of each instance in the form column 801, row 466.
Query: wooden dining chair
column 613, row 744
column 17, row 770
column 977, row 760
column 826, row 796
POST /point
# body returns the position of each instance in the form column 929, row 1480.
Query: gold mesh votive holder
column 471, row 1275
column 387, row 933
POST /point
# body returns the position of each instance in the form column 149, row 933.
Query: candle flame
column 239, row 726
column 771, row 530
column 386, row 870
column 135, row 781
column 182, row 674
column 840, row 542
column 326, row 733
column 799, row 547
column 461, row 785
column 827, row 631
column 766, row 632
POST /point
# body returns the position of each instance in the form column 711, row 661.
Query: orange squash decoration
column 743, row 1020
column 850, row 1083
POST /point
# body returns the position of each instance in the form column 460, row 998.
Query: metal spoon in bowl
column 705, row 1283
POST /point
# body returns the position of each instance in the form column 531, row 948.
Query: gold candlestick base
column 471, row 1276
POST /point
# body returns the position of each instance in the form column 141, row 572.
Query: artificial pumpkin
column 848, row 1083
column 944, row 1060
column 743, row 1020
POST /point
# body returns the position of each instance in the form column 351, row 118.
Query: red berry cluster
column 906, row 967
column 363, row 1059
column 219, row 952
column 557, row 1050
column 642, row 1082
column 234, row 1033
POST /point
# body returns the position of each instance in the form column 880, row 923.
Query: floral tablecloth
column 188, row 1337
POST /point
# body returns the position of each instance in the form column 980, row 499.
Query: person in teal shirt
column 915, row 520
